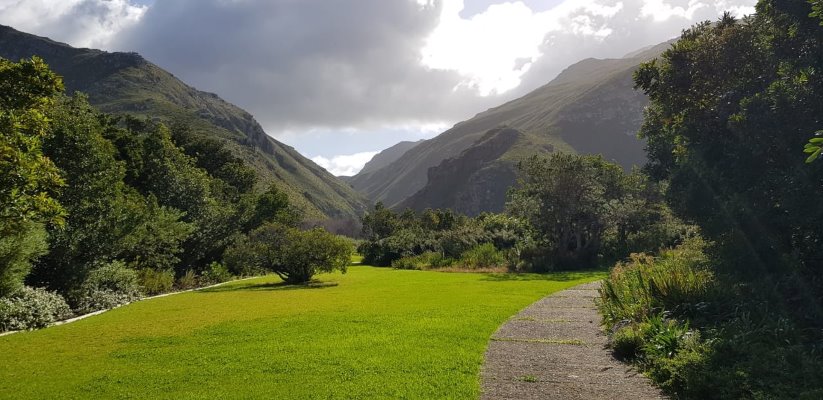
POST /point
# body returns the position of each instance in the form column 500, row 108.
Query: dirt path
column 554, row 349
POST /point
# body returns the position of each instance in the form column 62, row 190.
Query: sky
column 343, row 79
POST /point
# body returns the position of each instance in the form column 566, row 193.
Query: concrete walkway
column 555, row 349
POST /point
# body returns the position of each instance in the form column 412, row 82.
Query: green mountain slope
column 590, row 107
column 127, row 83
column 387, row 156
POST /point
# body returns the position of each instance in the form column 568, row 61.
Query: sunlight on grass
column 377, row 333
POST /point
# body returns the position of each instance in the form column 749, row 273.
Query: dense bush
column 30, row 308
column 18, row 248
column 215, row 273
column 106, row 286
column 669, row 315
column 677, row 281
column 482, row 256
column 155, row 282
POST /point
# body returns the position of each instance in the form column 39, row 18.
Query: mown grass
column 377, row 333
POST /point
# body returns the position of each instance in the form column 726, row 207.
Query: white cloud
column 662, row 10
column 493, row 49
column 342, row 77
column 81, row 23
column 345, row 165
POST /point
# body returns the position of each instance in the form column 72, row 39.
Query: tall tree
column 28, row 180
column 731, row 104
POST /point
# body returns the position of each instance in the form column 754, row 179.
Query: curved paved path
column 554, row 349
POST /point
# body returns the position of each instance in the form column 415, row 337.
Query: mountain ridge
column 590, row 107
column 117, row 82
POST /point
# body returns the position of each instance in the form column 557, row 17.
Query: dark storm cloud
column 302, row 63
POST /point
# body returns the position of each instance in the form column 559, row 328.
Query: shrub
column 427, row 260
column 483, row 256
column 242, row 258
column 188, row 280
column 678, row 281
column 215, row 273
column 18, row 247
column 30, row 308
column 156, row 281
column 306, row 253
column 107, row 286
column 627, row 342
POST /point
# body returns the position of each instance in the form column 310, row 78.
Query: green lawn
column 379, row 333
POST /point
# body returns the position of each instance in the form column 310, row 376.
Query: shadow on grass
column 269, row 286
column 549, row 276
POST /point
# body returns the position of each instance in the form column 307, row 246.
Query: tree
column 731, row 104
column 107, row 219
column 28, row 180
column 294, row 255
column 310, row 252
column 564, row 197
column 273, row 206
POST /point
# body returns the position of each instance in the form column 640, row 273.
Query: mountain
column 127, row 83
column 590, row 108
column 387, row 156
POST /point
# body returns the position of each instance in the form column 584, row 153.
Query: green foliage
column 188, row 280
column 155, row 281
column 730, row 105
column 215, row 157
column 272, row 206
column 294, row 255
column 482, row 256
column 627, row 342
column 814, row 148
column 28, row 180
column 678, row 281
column 107, row 219
column 215, row 273
column 18, row 249
column 30, row 308
column 107, row 286
column 583, row 210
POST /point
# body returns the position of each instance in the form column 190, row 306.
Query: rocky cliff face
column 474, row 181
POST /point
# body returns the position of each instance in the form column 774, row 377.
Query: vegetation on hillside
column 732, row 105
column 101, row 209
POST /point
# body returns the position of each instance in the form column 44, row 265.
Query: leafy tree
column 28, row 180
column 730, row 105
column 380, row 223
column 214, row 157
column 18, row 248
column 294, row 255
column 564, row 197
column 107, row 219
column 273, row 206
